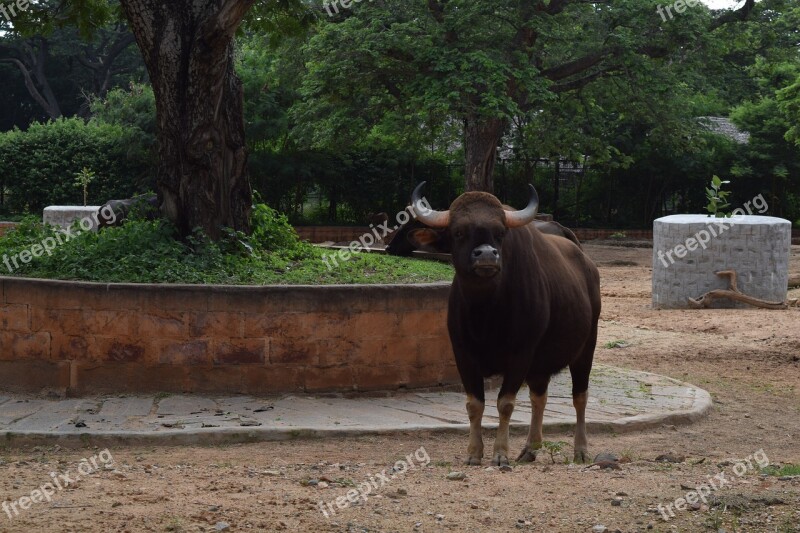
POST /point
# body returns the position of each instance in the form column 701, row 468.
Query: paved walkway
column 619, row 399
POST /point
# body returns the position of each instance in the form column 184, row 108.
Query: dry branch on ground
column 735, row 294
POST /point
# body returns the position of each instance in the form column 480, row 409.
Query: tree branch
column 437, row 10
column 582, row 82
column 222, row 26
column 30, row 85
column 577, row 66
column 738, row 15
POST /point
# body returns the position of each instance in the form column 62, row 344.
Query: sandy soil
column 748, row 359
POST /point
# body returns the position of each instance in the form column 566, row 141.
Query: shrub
column 135, row 111
column 271, row 231
column 142, row 251
column 38, row 166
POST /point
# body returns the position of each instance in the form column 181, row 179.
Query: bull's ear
column 424, row 237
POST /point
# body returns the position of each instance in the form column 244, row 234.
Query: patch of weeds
column 763, row 387
column 616, row 344
column 554, row 449
column 627, row 456
column 728, row 502
column 161, row 395
column 714, row 520
column 345, row 482
column 787, row 525
column 662, row 467
column 785, row 470
column 443, row 464
column 647, row 390
column 174, row 524
column 617, row 235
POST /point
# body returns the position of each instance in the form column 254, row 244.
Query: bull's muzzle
column 485, row 260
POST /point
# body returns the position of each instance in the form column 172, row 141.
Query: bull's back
column 552, row 227
column 574, row 276
column 574, row 287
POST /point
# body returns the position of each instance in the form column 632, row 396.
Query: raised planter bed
column 82, row 338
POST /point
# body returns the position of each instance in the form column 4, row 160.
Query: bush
column 135, row 111
column 142, row 251
column 38, row 166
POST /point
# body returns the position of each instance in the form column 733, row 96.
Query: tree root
column 733, row 293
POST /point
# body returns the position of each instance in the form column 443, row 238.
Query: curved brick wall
column 90, row 337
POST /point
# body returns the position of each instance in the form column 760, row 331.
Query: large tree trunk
column 481, row 137
column 188, row 50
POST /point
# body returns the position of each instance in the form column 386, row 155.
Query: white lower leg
column 581, row 442
column 475, row 412
column 505, row 408
column 538, row 403
column 534, row 442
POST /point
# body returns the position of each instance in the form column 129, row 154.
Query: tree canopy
column 599, row 103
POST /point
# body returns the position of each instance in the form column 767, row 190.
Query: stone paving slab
column 619, row 399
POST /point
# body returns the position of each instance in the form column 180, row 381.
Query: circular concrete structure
column 689, row 249
column 620, row 400
column 84, row 338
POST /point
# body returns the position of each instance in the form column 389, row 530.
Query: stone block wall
column 756, row 247
column 91, row 338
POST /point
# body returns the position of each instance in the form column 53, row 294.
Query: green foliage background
column 38, row 166
column 345, row 114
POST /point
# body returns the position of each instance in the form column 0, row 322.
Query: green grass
column 149, row 252
column 785, row 470
column 616, row 344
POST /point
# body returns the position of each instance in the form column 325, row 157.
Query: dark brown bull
column 115, row 212
column 524, row 305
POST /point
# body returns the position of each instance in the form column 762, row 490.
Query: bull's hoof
column 581, row 456
column 500, row 460
column 473, row 461
column 527, row 456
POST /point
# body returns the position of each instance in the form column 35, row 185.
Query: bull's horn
column 424, row 213
column 515, row 219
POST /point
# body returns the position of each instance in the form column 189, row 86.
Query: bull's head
column 475, row 226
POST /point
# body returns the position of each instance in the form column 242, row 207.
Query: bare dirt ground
column 748, row 359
